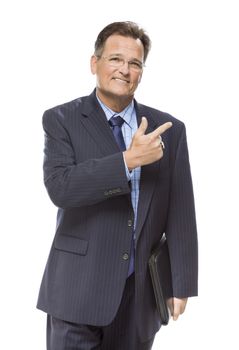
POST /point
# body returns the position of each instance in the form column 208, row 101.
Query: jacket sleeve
column 181, row 228
column 71, row 184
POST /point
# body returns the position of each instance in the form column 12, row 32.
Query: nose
column 124, row 69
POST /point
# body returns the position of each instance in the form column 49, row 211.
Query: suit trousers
column 121, row 334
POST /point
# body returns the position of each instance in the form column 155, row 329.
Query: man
column 119, row 187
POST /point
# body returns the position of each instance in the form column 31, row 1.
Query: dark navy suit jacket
column 85, row 177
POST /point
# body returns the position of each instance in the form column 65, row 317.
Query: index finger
column 161, row 129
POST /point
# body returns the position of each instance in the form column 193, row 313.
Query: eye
column 135, row 65
column 115, row 59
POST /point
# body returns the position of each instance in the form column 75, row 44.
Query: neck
column 115, row 103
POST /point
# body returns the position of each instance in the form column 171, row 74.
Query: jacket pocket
column 71, row 244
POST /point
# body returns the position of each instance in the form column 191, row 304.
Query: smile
column 121, row 80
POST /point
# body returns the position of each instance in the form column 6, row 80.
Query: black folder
column 160, row 271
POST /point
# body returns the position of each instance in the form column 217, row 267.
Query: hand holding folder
column 160, row 271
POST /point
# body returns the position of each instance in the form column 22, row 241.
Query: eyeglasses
column 119, row 61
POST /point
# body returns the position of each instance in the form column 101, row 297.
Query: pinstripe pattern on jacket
column 85, row 177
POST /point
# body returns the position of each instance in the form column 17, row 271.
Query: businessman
column 119, row 173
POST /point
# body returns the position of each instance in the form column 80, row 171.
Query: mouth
column 121, row 80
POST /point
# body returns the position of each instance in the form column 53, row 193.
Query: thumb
column 143, row 126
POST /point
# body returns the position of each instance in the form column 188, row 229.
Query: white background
column 192, row 72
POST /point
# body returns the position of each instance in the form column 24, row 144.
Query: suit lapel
column 95, row 121
column 149, row 174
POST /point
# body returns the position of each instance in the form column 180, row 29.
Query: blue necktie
column 116, row 124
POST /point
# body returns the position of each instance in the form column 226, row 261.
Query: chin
column 122, row 94
column 119, row 93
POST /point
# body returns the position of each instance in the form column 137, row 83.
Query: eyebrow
column 131, row 59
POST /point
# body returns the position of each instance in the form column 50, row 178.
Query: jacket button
column 130, row 223
column 125, row 256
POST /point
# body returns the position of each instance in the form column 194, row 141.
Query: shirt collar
column 126, row 113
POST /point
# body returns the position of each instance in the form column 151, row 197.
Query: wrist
column 129, row 160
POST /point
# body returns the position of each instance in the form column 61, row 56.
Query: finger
column 179, row 306
column 143, row 126
column 183, row 305
column 161, row 129
column 170, row 305
column 176, row 310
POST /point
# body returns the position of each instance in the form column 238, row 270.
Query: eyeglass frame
column 140, row 64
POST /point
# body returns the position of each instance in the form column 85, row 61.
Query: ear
column 93, row 64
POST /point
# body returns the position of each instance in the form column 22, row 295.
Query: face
column 118, row 83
